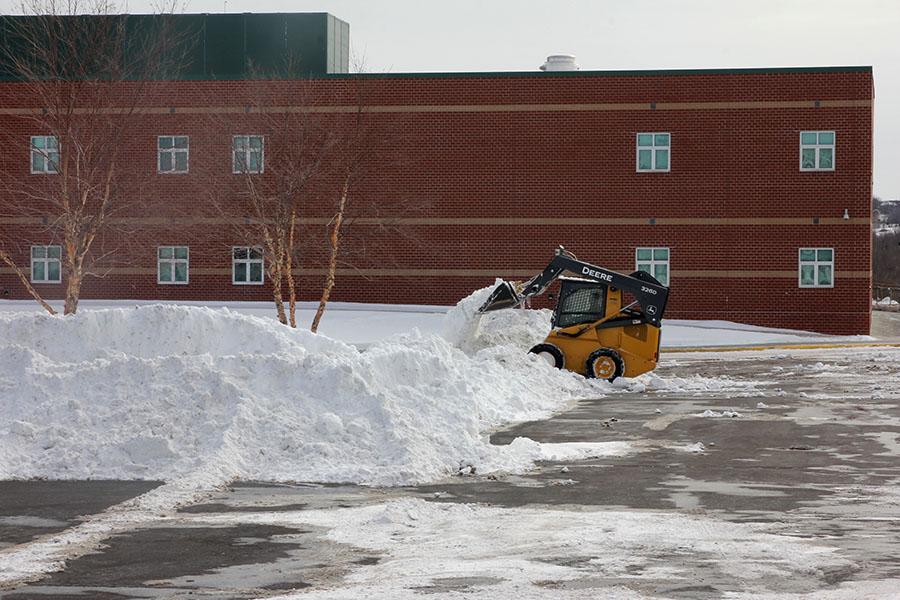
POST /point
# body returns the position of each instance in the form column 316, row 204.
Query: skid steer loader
column 594, row 333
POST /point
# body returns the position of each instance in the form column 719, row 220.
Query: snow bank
column 466, row 329
column 168, row 392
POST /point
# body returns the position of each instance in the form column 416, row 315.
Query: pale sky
column 400, row 36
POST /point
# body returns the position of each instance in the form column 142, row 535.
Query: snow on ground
column 886, row 303
column 348, row 322
column 163, row 392
column 509, row 552
column 197, row 396
column 205, row 395
column 681, row 333
column 362, row 324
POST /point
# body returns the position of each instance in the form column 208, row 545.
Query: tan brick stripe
column 478, row 108
column 707, row 274
column 589, row 221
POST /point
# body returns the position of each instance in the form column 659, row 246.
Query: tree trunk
column 277, row 297
column 289, row 273
column 73, row 291
column 292, row 295
column 26, row 282
column 332, row 259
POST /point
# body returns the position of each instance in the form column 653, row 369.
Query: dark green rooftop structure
column 233, row 45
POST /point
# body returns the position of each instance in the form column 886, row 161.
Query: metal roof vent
column 560, row 62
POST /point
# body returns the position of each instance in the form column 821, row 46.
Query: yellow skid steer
column 594, row 332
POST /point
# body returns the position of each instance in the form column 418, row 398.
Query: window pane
column 165, row 161
column 52, row 143
column 240, row 252
column 256, row 272
column 37, row 271
column 53, row 251
column 254, row 162
column 240, row 272
column 238, row 166
column 256, row 253
column 661, row 254
column 826, row 137
column 661, row 139
column 165, row 142
column 38, row 142
column 807, row 254
column 165, row 252
column 824, row 254
column 826, row 158
column 662, row 160
column 256, row 143
column 181, row 271
column 644, row 160
column 181, row 142
column 165, row 271
column 645, row 139
column 824, row 274
column 38, row 251
column 37, row 162
column 808, row 137
column 181, row 161
column 53, row 270
column 644, row 267
column 661, row 272
column 807, row 274
column 181, row 252
column 240, row 143
column 644, row 253
column 808, row 160
column 52, row 161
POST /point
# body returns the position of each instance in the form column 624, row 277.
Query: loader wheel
column 551, row 354
column 604, row 364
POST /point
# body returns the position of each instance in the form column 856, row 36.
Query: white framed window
column 653, row 152
column 46, row 265
column 44, row 154
column 247, row 265
column 247, row 154
column 654, row 261
column 816, row 267
column 817, row 150
column 172, row 151
column 172, row 265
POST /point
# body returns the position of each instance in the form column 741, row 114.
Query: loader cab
column 580, row 301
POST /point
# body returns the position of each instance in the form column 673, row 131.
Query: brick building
column 748, row 191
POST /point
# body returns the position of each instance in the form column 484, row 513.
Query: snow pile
column 470, row 331
column 886, row 301
column 168, row 392
column 730, row 414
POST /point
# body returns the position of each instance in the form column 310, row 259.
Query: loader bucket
column 503, row 296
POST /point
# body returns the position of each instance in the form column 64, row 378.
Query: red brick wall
column 549, row 162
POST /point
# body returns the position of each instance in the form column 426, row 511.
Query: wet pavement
column 813, row 452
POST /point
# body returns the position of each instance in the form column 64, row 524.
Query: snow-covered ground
column 366, row 323
column 200, row 396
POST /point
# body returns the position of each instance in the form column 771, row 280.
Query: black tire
column 605, row 355
column 559, row 359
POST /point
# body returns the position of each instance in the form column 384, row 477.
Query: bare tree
column 356, row 146
column 87, row 72
column 280, row 163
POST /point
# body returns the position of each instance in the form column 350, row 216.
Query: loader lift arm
column 648, row 293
